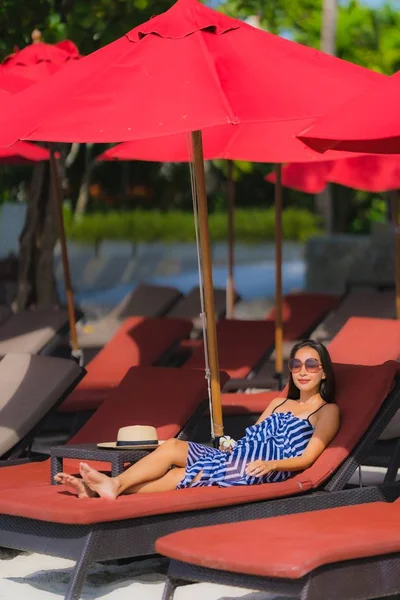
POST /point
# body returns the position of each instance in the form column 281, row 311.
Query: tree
column 366, row 36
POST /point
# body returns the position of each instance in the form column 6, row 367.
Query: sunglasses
column 312, row 365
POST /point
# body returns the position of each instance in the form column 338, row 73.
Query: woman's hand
column 260, row 468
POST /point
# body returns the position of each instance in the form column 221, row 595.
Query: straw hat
column 134, row 437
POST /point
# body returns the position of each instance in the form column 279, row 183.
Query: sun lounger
column 144, row 301
column 366, row 341
column 303, row 311
column 351, row 553
column 51, row 520
column 242, row 347
column 34, row 331
column 359, row 302
column 138, row 341
column 188, row 307
column 31, row 387
column 169, row 399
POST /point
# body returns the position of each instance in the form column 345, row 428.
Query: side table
column 117, row 458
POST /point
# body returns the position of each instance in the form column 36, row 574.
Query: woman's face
column 308, row 380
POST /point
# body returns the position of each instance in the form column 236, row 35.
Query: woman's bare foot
column 77, row 485
column 105, row 487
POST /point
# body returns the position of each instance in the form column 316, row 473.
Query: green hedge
column 175, row 226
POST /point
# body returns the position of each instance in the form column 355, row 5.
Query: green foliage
column 173, row 226
column 374, row 211
column 366, row 36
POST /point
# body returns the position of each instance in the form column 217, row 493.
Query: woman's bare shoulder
column 276, row 401
column 330, row 411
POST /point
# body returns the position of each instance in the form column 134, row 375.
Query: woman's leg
column 167, row 482
column 149, row 469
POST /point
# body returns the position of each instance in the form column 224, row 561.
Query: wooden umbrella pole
column 395, row 218
column 278, row 276
column 230, row 285
column 198, row 161
column 57, row 194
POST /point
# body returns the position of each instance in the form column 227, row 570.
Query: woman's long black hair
column 327, row 389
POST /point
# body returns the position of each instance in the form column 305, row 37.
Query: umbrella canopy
column 184, row 70
column 69, row 47
column 22, row 153
column 254, row 142
column 13, row 83
column 304, row 177
column 368, row 172
column 370, row 122
column 39, row 60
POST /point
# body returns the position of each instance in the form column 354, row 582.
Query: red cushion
column 159, row 396
column 54, row 503
column 303, row 311
column 289, row 546
column 360, row 392
column 139, row 341
column 241, row 345
column 244, row 404
column 365, row 341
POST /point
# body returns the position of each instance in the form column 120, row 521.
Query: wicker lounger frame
column 87, row 544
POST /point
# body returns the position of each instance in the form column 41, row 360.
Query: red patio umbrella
column 203, row 65
column 39, row 60
column 369, row 122
column 368, row 172
column 182, row 71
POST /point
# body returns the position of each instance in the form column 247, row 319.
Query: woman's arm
column 270, row 408
column 326, row 428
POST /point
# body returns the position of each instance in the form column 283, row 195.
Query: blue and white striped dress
column 281, row 435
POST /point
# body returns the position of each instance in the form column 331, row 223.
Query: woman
column 288, row 437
